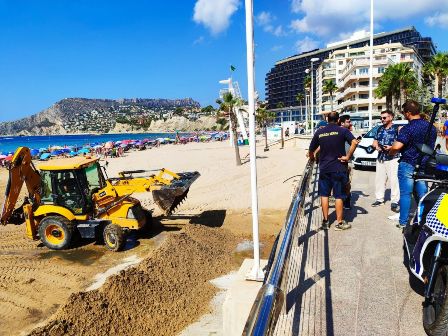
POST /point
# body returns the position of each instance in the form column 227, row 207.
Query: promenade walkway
column 350, row 282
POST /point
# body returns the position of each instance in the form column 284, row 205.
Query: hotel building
column 349, row 69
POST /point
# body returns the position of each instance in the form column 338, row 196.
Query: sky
column 55, row 49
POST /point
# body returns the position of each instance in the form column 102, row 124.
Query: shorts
column 335, row 182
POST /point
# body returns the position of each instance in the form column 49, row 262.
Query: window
column 363, row 71
column 341, row 62
column 381, row 69
column 46, row 187
column 363, row 96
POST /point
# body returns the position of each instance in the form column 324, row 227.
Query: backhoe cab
column 73, row 196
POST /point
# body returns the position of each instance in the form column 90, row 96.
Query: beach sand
column 35, row 281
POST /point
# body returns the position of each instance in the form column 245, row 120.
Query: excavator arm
column 169, row 189
column 21, row 170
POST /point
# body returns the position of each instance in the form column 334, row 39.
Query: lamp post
column 371, row 66
column 256, row 273
column 307, row 71
column 315, row 59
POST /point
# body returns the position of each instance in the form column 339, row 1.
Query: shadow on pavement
column 295, row 297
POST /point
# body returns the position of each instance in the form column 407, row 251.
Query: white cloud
column 277, row 48
column 296, row 6
column 265, row 20
column 306, row 44
column 335, row 18
column 199, row 40
column 439, row 20
column 215, row 14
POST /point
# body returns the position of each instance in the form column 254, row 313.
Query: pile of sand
column 161, row 296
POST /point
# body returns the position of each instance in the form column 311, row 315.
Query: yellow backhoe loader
column 74, row 197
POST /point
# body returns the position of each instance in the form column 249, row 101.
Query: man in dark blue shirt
column 411, row 135
column 333, row 162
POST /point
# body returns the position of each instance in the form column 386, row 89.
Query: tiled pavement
column 350, row 282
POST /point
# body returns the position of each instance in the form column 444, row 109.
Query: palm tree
column 385, row 89
column 307, row 83
column 264, row 117
column 437, row 67
column 330, row 87
column 280, row 105
column 397, row 84
column 299, row 98
column 229, row 104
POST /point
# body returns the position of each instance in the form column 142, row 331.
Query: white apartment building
column 349, row 69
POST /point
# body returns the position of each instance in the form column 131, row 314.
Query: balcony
column 363, row 62
column 360, row 102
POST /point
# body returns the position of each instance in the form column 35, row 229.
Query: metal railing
column 270, row 298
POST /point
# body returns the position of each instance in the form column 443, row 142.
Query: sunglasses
column 383, row 118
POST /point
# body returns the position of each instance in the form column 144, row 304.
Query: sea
column 10, row 144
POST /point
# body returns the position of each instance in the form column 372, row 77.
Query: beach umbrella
column 8, row 158
column 56, row 153
column 43, row 149
column 97, row 146
column 109, row 145
column 2, row 156
column 34, row 152
column 72, row 153
column 83, row 151
column 44, row 156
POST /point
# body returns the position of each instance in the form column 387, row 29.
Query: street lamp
column 307, row 71
column 371, row 66
column 315, row 59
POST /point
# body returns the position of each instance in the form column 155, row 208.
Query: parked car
column 365, row 155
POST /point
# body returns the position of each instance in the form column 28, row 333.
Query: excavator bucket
column 172, row 195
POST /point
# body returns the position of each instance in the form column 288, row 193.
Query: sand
column 39, row 285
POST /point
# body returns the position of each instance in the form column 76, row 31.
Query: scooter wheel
column 435, row 310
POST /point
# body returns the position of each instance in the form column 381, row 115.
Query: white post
column 256, row 273
column 306, row 113
column 312, row 98
column 371, row 67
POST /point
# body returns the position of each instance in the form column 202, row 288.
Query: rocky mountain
column 81, row 115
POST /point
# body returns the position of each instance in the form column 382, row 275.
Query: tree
column 300, row 97
column 263, row 118
column 229, row 104
column 307, row 83
column 280, row 105
column 397, row 84
column 437, row 67
column 330, row 87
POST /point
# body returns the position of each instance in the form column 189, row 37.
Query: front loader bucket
column 170, row 196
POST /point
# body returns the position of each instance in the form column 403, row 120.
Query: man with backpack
column 386, row 164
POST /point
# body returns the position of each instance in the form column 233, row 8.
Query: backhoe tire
column 56, row 232
column 435, row 314
column 114, row 237
column 148, row 222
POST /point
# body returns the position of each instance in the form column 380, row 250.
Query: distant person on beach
column 296, row 128
column 445, row 133
column 410, row 135
column 287, row 132
column 386, row 164
column 333, row 163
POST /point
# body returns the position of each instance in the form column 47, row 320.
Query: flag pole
column 256, row 273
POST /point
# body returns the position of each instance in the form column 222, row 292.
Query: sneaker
column 342, row 226
column 377, row 203
column 394, row 217
column 325, row 224
column 394, row 207
column 398, row 225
